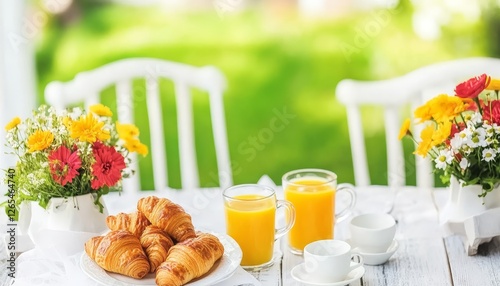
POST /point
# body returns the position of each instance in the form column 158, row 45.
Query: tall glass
column 312, row 192
column 250, row 212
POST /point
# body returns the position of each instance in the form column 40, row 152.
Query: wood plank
column 421, row 258
column 481, row 269
column 272, row 275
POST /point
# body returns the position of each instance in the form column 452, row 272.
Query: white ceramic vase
column 464, row 202
column 77, row 213
column 65, row 225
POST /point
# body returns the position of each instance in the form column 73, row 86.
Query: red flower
column 107, row 167
column 473, row 87
column 491, row 112
column 455, row 128
column 64, row 165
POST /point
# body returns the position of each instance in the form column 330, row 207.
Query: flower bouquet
column 462, row 133
column 68, row 153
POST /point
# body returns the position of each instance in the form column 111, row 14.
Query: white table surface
column 424, row 256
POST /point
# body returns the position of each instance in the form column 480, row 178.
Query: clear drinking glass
column 312, row 192
column 250, row 212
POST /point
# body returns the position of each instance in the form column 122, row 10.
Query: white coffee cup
column 372, row 232
column 329, row 260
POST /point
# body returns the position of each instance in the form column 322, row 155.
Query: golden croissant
column 168, row 216
column 134, row 222
column 189, row 259
column 156, row 243
column 120, row 252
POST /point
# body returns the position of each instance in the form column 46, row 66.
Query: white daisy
column 489, row 154
column 444, row 158
column 477, row 117
column 478, row 138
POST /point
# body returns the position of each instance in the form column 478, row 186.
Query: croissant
column 156, row 243
column 189, row 259
column 168, row 216
column 134, row 222
column 120, row 252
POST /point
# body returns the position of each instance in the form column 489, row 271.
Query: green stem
column 476, row 100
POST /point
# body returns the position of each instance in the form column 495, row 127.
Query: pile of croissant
column 159, row 237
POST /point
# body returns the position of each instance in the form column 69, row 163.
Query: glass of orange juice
column 250, row 212
column 312, row 192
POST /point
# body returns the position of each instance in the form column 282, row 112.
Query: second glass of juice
column 312, row 192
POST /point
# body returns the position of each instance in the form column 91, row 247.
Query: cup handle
column 290, row 218
column 359, row 261
column 349, row 188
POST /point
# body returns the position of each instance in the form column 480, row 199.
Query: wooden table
column 424, row 257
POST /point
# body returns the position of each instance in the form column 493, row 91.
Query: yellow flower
column 13, row 123
column 405, row 129
column 67, row 121
column 127, row 131
column 442, row 108
column 423, row 112
column 88, row 129
column 493, row 85
column 101, row 110
column 442, row 133
column 39, row 140
column 426, row 143
column 134, row 145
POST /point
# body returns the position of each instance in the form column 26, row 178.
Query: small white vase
column 77, row 213
column 66, row 224
column 464, row 202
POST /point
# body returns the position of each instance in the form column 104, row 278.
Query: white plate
column 376, row 258
column 379, row 258
column 299, row 273
column 222, row 269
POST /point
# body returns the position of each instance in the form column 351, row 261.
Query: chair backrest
column 87, row 86
column 395, row 95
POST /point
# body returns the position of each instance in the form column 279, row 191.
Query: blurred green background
column 275, row 61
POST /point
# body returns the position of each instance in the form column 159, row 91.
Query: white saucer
column 378, row 258
column 299, row 273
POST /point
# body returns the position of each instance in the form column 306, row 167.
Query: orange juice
column 314, row 202
column 250, row 221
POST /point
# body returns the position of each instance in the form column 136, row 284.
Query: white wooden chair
column 396, row 95
column 87, row 86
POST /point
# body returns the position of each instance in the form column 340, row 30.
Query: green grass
column 271, row 66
